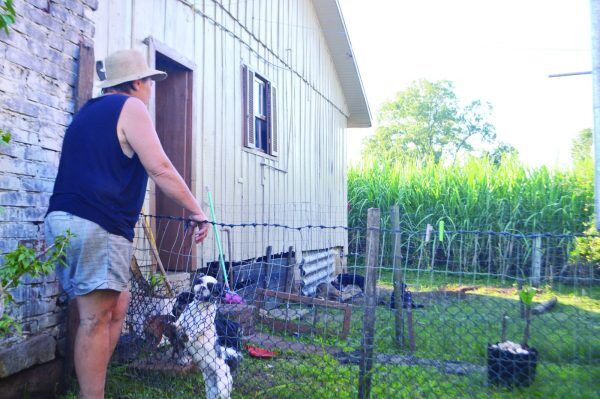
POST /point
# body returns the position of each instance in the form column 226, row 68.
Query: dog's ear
column 183, row 299
column 197, row 278
column 216, row 289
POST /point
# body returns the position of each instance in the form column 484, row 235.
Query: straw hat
column 125, row 66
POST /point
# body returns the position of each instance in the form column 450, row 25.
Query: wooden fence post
column 536, row 262
column 366, row 358
column 398, row 278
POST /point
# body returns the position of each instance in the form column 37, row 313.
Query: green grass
column 567, row 339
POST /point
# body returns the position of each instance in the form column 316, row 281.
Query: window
column 260, row 113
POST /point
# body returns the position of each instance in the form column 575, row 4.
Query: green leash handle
column 218, row 238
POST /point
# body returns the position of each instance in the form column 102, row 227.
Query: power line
column 560, row 75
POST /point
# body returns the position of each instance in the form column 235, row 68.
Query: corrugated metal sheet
column 316, row 268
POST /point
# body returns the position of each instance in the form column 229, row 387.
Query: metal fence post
column 398, row 278
column 366, row 358
column 536, row 262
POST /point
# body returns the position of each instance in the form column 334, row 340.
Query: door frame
column 157, row 47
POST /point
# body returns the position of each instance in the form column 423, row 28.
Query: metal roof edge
column 336, row 35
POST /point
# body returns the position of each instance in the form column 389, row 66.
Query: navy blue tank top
column 96, row 180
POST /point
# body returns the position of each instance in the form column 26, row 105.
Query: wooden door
column 174, row 126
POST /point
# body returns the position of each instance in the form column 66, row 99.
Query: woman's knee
column 96, row 310
column 94, row 321
column 120, row 310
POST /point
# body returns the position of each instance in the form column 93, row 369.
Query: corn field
column 475, row 195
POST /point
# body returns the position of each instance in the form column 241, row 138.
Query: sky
column 500, row 51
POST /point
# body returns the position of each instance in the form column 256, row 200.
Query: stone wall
column 38, row 75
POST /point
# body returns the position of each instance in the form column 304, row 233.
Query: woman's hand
column 203, row 228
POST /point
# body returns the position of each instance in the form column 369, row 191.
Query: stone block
column 42, row 4
column 37, row 81
column 37, row 153
column 22, row 58
column 8, row 182
column 50, row 320
column 48, row 278
column 22, row 106
column 93, row 4
column 43, row 18
column 46, row 171
column 18, row 166
column 20, row 356
column 33, row 308
column 18, row 230
column 11, row 87
column 50, row 290
column 25, row 293
column 33, row 214
column 37, row 185
column 7, row 245
column 14, row 150
column 34, row 383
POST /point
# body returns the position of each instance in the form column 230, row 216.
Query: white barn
column 273, row 151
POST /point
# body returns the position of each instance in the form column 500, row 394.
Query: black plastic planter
column 509, row 369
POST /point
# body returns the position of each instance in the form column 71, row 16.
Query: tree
column 427, row 120
column 581, row 148
column 500, row 151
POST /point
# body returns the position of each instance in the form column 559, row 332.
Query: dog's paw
column 232, row 357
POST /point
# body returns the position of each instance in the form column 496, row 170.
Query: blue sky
column 500, row 51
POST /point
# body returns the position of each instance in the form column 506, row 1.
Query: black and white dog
column 345, row 279
column 196, row 327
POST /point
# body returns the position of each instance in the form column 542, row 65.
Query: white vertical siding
column 307, row 181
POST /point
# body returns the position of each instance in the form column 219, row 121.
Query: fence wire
column 299, row 318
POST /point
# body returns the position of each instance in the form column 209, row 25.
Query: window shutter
column 272, row 121
column 248, row 100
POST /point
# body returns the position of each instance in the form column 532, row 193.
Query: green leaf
column 526, row 294
column 5, row 136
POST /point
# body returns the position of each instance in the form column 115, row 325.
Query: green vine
column 7, row 15
column 23, row 261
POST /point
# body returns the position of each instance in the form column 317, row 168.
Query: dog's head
column 207, row 287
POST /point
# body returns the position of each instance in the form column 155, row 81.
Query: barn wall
column 282, row 40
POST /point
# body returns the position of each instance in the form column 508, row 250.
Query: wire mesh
column 443, row 301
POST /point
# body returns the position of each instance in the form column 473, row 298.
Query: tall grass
column 475, row 195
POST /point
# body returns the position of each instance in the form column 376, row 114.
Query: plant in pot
column 511, row 364
column 19, row 262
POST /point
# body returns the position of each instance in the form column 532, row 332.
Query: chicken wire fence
column 336, row 312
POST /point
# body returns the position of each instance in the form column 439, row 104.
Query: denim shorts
column 96, row 259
